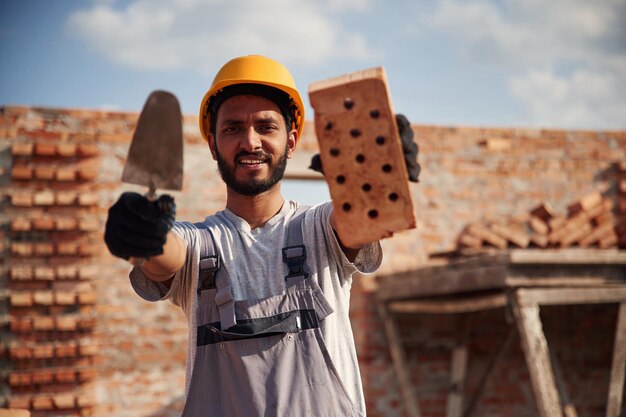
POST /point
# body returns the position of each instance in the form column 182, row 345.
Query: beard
column 253, row 187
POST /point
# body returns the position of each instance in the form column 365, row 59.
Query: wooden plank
column 470, row 241
column 513, row 234
column 459, row 305
column 568, row 256
column 442, row 280
column 598, row 233
column 535, row 349
column 398, row 358
column 571, row 226
column 616, row 384
column 561, row 296
column 538, row 225
column 574, row 236
column 487, row 235
column 586, row 203
column 543, row 212
column 605, row 207
column 569, row 410
column 539, row 240
column 458, row 370
column 362, row 156
column 515, row 281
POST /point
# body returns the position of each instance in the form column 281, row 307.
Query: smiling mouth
column 252, row 160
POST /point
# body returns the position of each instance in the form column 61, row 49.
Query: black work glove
column 409, row 147
column 137, row 227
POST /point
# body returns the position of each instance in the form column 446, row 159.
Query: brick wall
column 138, row 368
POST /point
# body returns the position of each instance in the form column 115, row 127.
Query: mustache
column 258, row 154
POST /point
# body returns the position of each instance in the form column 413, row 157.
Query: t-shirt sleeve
column 151, row 290
column 370, row 256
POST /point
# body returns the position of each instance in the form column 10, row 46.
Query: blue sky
column 525, row 63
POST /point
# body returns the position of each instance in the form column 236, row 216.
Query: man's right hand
column 138, row 227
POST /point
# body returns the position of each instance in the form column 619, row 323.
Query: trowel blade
column 155, row 156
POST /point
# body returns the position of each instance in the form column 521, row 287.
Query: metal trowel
column 155, row 156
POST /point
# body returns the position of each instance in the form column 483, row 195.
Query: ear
column 292, row 141
column 212, row 147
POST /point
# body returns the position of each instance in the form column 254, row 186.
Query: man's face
column 251, row 144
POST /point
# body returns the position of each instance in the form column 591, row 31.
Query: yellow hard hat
column 253, row 69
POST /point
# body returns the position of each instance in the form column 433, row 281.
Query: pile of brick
column 597, row 220
column 51, row 235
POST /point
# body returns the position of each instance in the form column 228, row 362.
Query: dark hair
column 278, row 97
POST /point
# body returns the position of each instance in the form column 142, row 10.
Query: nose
column 251, row 140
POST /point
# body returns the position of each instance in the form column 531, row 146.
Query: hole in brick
column 393, row 197
column 329, row 126
column 341, row 179
column 348, row 103
column 380, row 140
column 334, row 152
column 372, row 214
column 360, row 158
column 346, row 207
column 366, row 187
column 387, row 168
column 355, row 133
column 374, row 114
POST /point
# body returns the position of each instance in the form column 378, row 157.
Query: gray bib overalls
column 265, row 357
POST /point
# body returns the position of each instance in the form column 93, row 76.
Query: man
column 264, row 283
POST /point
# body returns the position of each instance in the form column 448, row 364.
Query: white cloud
column 566, row 58
column 586, row 99
column 199, row 34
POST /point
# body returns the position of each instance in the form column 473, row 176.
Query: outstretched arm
column 138, row 230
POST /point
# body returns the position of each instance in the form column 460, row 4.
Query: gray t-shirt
column 253, row 260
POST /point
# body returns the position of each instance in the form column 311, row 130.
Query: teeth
column 250, row 161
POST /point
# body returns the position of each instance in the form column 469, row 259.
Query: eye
column 268, row 129
column 229, row 130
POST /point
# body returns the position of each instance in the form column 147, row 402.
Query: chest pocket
column 301, row 307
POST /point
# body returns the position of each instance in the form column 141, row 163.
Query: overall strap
column 209, row 259
column 209, row 267
column 294, row 253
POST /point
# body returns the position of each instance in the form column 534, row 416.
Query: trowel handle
column 151, row 196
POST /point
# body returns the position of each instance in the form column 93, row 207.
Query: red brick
column 66, row 173
column 87, row 149
column 45, row 172
column 43, row 323
column 43, row 402
column 66, row 223
column 22, row 172
column 45, row 148
column 43, row 377
column 64, row 298
column 20, row 224
column 66, row 198
column 88, row 199
column 66, row 149
column 22, row 149
column 43, row 223
column 43, row 198
column 21, row 199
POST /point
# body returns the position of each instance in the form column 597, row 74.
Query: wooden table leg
column 399, row 362
column 616, row 386
column 535, row 349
